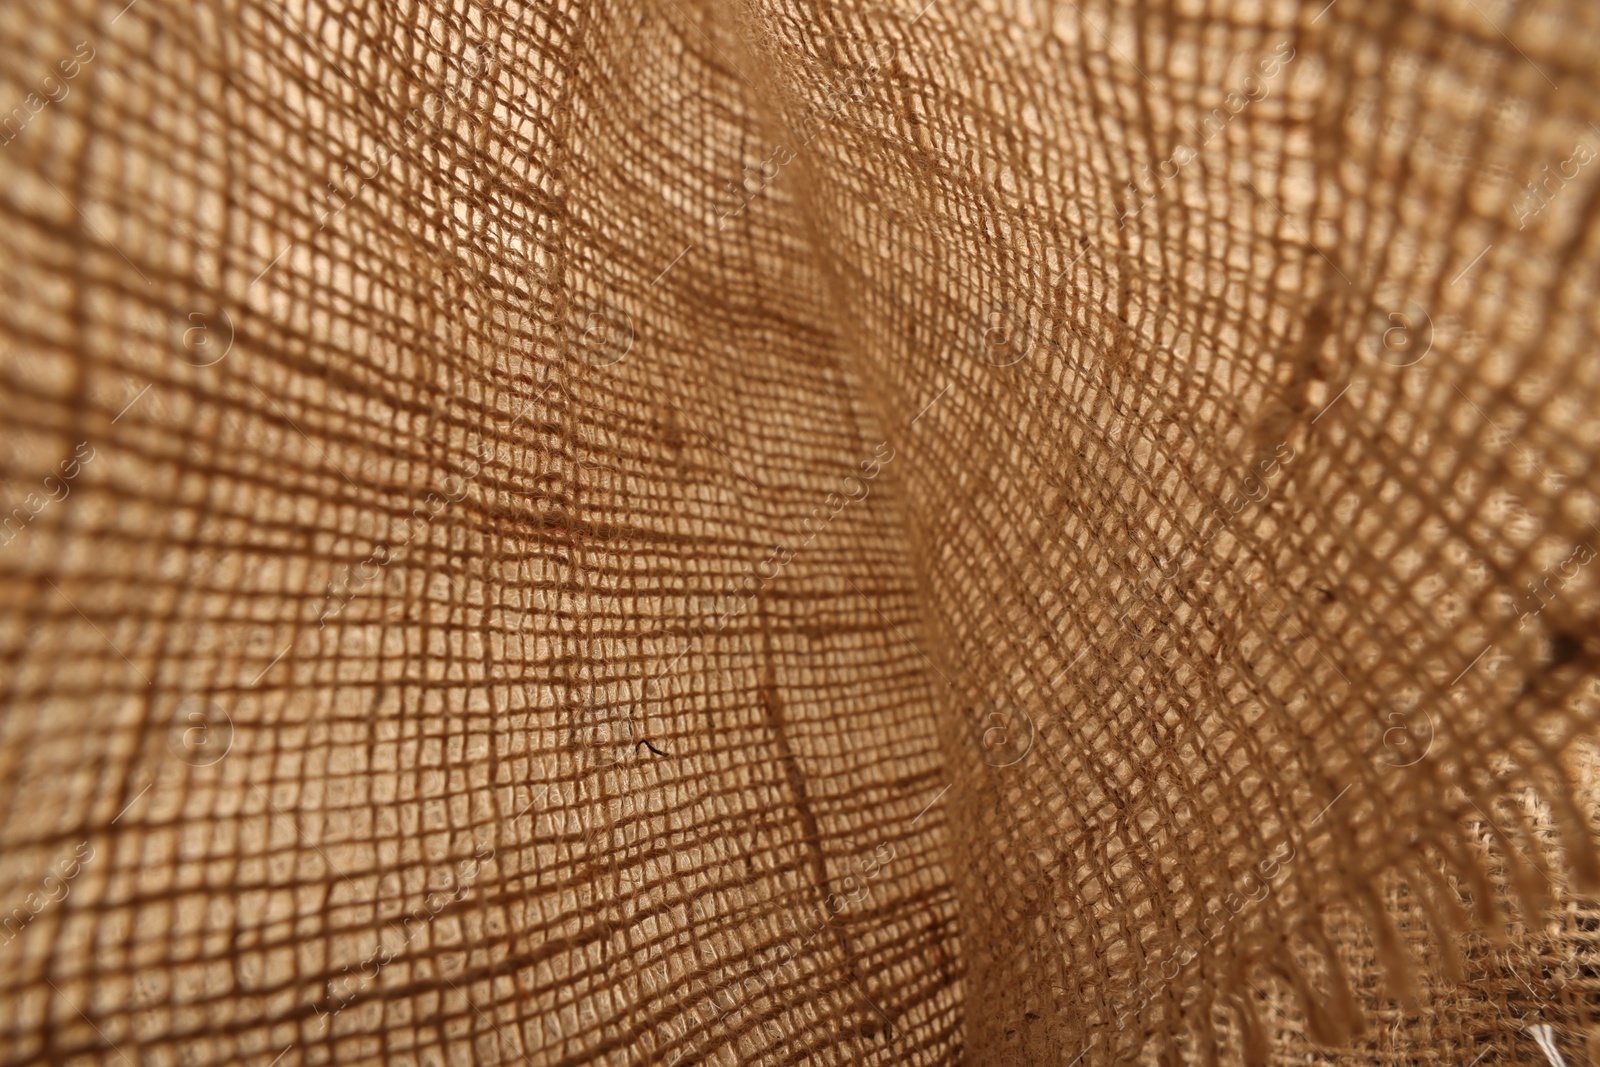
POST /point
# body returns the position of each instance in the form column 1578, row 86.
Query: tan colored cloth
column 629, row 532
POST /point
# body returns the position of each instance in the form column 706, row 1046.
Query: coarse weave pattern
column 748, row 531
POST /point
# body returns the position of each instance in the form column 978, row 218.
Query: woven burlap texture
column 748, row 531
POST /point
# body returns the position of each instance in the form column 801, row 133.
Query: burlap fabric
column 672, row 531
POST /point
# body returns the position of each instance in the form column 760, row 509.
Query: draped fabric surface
column 990, row 532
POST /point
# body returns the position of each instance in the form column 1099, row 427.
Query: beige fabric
column 995, row 532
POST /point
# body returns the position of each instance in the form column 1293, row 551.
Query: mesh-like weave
column 877, row 531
